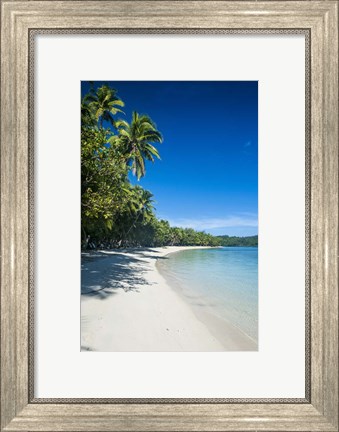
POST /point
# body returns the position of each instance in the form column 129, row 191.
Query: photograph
column 169, row 216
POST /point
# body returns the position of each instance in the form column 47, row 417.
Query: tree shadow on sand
column 147, row 253
column 102, row 274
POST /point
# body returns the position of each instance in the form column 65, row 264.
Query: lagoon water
column 222, row 280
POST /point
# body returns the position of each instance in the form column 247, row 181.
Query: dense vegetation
column 226, row 240
column 114, row 212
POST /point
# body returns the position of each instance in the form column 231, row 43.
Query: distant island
column 248, row 241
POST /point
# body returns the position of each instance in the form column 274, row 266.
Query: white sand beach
column 126, row 305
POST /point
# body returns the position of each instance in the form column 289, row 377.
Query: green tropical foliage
column 114, row 212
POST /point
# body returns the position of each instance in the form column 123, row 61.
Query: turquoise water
column 223, row 279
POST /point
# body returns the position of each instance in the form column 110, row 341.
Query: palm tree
column 136, row 140
column 146, row 201
column 104, row 104
column 139, row 209
column 142, row 205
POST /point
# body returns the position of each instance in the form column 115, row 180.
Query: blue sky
column 207, row 177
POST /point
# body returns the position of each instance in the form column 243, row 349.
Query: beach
column 127, row 305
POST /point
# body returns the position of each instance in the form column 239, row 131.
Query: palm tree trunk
column 136, row 220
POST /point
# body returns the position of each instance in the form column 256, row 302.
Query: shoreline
column 226, row 332
column 128, row 305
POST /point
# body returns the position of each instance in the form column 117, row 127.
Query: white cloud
column 212, row 223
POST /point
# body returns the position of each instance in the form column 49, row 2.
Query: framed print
column 169, row 215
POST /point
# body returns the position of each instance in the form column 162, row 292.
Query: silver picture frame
column 21, row 21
